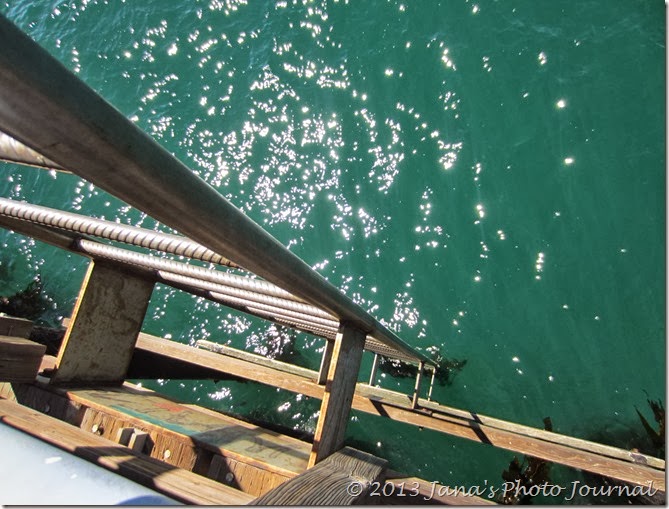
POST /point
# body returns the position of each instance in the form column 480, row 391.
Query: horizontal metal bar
column 74, row 243
column 132, row 235
column 49, row 109
column 14, row 151
column 257, row 286
column 289, row 308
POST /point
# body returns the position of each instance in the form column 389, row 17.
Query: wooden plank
column 330, row 482
column 20, row 359
column 548, row 436
column 210, row 430
column 180, row 484
column 263, row 458
column 338, row 395
column 243, row 476
column 256, row 359
column 555, row 452
column 14, row 326
column 232, row 366
column 419, row 381
column 99, row 341
column 577, row 453
column 6, row 391
column 326, row 360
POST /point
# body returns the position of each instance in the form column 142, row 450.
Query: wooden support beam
column 252, row 357
column 338, row 395
column 434, row 374
column 419, row 381
column 325, row 362
column 108, row 316
column 375, row 366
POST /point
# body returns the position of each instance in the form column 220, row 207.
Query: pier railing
column 60, row 119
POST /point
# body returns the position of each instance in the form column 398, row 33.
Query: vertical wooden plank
column 375, row 366
column 419, row 381
column 325, row 362
column 338, row 395
column 434, row 374
column 107, row 318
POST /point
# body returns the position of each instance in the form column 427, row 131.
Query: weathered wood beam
column 178, row 483
column 573, row 452
column 107, row 318
column 20, row 359
column 339, row 391
column 375, row 367
column 419, row 381
column 325, row 362
column 344, row 478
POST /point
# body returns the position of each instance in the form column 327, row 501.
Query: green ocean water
column 485, row 177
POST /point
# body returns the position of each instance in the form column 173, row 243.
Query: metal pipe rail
column 132, row 235
column 305, row 311
column 256, row 286
column 49, row 109
column 244, row 294
column 13, row 151
column 252, row 296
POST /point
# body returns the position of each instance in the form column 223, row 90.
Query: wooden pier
column 80, row 400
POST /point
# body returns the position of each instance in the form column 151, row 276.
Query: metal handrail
column 49, row 109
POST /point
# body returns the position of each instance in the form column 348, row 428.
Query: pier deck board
column 596, row 458
column 234, row 452
column 330, row 481
column 174, row 482
column 20, row 359
column 215, row 432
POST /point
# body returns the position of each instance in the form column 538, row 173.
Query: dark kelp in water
column 30, row 303
column 523, row 476
column 657, row 437
column 445, row 374
column 650, row 441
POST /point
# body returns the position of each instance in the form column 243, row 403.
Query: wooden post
column 419, row 380
column 375, row 365
column 338, row 395
column 107, row 318
column 325, row 362
column 434, row 374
